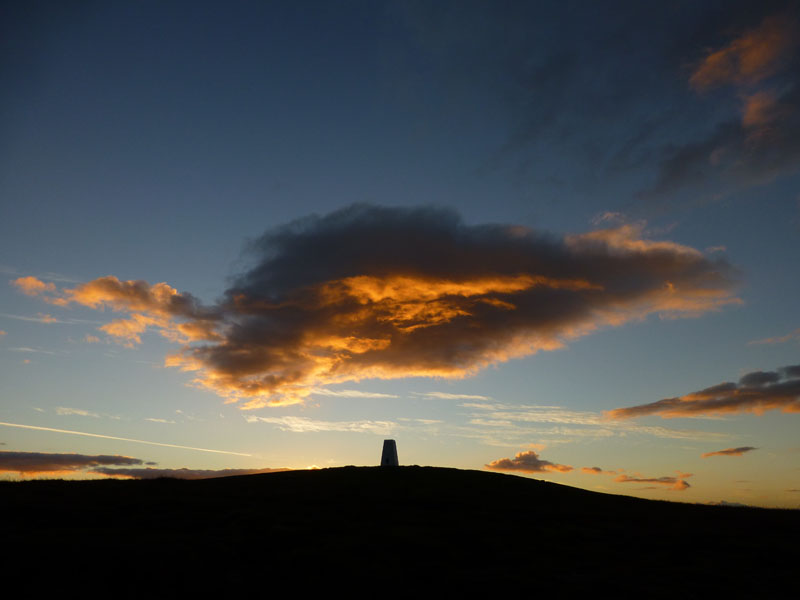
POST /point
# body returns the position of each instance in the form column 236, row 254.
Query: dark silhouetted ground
column 404, row 531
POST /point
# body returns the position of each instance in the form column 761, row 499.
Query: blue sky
column 160, row 142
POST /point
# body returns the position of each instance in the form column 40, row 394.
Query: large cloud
column 371, row 292
column 38, row 463
column 527, row 462
column 755, row 392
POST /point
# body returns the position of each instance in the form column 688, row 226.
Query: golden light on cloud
column 756, row 393
column 370, row 292
column 751, row 57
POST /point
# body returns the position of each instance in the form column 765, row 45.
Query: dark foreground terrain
column 378, row 531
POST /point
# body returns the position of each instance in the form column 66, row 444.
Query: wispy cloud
column 527, row 462
column 794, row 335
column 306, row 425
column 350, row 393
column 518, row 420
column 123, row 439
column 756, row 392
column 730, row 451
column 447, row 396
column 759, row 66
column 346, row 297
column 65, row 411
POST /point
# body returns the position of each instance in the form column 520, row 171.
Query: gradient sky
column 553, row 239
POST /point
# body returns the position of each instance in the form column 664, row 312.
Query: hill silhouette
column 377, row 530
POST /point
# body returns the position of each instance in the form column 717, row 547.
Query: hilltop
column 414, row 528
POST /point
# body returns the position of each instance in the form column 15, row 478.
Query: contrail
column 111, row 437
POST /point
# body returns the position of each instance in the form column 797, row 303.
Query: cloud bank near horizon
column 42, row 463
column 377, row 292
column 756, row 392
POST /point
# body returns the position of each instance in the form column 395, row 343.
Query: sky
column 553, row 239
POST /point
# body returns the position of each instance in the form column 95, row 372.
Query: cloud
column 749, row 58
column 755, row 392
column 351, row 393
column 184, row 473
column 64, row 411
column 33, row 286
column 764, row 141
column 794, row 335
column 306, row 425
column 446, row 396
column 596, row 471
column 373, row 292
column 38, row 463
column 527, row 462
column 2, row 332
column 677, row 484
column 730, row 451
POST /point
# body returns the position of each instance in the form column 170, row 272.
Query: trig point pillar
column 389, row 456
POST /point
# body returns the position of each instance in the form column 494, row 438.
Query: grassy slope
column 415, row 528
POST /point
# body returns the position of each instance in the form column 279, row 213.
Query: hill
column 367, row 528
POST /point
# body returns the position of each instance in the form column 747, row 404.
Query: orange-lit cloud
column 527, row 462
column 369, row 292
column 33, row 286
column 2, row 332
column 730, row 451
column 596, row 471
column 40, row 463
column 677, row 484
column 753, row 56
column 755, row 392
column 794, row 335
column 184, row 473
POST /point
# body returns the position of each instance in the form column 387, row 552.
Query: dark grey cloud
column 184, row 473
column 730, row 451
column 41, row 462
column 756, row 392
column 379, row 292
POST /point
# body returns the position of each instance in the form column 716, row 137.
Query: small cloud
column 527, row 462
column 794, row 335
column 155, row 420
column 32, row 286
column 597, row 471
column 713, row 249
column 2, row 332
column 47, row 318
column 91, row 339
column 730, row 451
column 677, row 484
column 64, row 411
column 26, row 361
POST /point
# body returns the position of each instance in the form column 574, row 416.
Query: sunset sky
column 559, row 240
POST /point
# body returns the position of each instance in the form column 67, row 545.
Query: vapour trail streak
column 111, row 437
